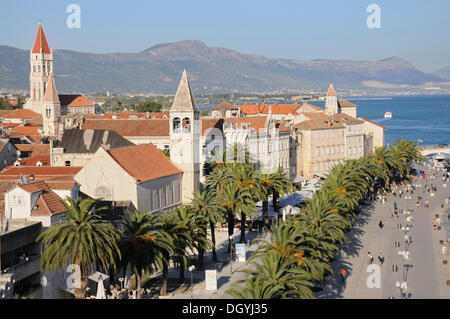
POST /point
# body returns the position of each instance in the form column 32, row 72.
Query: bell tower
column 41, row 65
column 331, row 104
column 184, row 137
column 51, row 108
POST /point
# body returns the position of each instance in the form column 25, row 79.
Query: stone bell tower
column 41, row 65
column 185, row 137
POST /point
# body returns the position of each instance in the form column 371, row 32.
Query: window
column 317, row 151
column 67, row 163
column 349, row 150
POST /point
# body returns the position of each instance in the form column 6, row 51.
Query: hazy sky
column 416, row 30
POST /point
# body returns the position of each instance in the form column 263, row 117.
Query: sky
column 416, row 30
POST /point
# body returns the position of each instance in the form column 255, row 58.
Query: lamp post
column 121, row 282
column 191, row 269
column 405, row 256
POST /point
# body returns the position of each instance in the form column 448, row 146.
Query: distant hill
column 443, row 73
column 158, row 70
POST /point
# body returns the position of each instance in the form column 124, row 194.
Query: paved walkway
column 425, row 272
column 227, row 274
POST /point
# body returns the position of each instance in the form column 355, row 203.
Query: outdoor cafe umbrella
column 100, row 289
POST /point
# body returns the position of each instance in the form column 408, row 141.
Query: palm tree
column 282, row 186
column 82, row 239
column 280, row 275
column 205, row 208
column 187, row 242
column 177, row 226
column 142, row 243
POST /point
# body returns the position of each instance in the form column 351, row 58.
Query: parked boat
column 387, row 115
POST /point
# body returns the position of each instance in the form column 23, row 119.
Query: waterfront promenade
column 425, row 272
column 426, row 275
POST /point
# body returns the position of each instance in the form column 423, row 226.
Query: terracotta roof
column 40, row 42
column 144, row 162
column 61, row 183
column 4, row 112
column 225, row 105
column 364, row 119
column 345, row 118
column 256, row 122
column 26, row 130
column 331, row 91
column 143, row 115
column 32, row 161
column 35, row 149
column 34, row 187
column 21, row 114
column 318, row 121
column 345, row 103
column 39, row 172
column 209, row 123
column 131, row 127
column 305, row 104
column 48, row 204
column 74, row 100
column 253, row 109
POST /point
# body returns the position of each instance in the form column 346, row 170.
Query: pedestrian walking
column 380, row 224
column 369, row 258
column 380, row 257
column 343, row 273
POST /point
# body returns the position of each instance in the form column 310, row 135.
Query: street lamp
column 191, row 269
column 406, row 231
column 405, row 256
column 121, row 282
column 402, row 286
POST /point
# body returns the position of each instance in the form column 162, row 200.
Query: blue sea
column 414, row 117
column 419, row 117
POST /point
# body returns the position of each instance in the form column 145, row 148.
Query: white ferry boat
column 387, row 115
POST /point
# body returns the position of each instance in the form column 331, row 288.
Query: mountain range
column 211, row 70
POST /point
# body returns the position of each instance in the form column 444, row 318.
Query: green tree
column 142, row 243
column 148, row 106
column 82, row 239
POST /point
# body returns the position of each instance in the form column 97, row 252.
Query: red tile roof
column 48, row 204
column 253, row 109
column 32, row 161
column 131, row 127
column 26, row 130
column 144, row 162
column 345, row 103
column 35, row 149
column 40, row 42
column 74, row 100
column 364, row 119
column 143, row 115
column 39, row 172
column 21, row 114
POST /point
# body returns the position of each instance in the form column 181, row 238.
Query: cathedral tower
column 41, row 65
column 184, row 137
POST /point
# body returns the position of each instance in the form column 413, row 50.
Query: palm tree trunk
column 243, row 219
column 230, row 220
column 138, row 285
column 276, row 206
column 181, row 268
column 265, row 207
column 201, row 253
column 213, row 239
column 80, row 292
column 165, row 275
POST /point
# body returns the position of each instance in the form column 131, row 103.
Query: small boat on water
column 387, row 115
